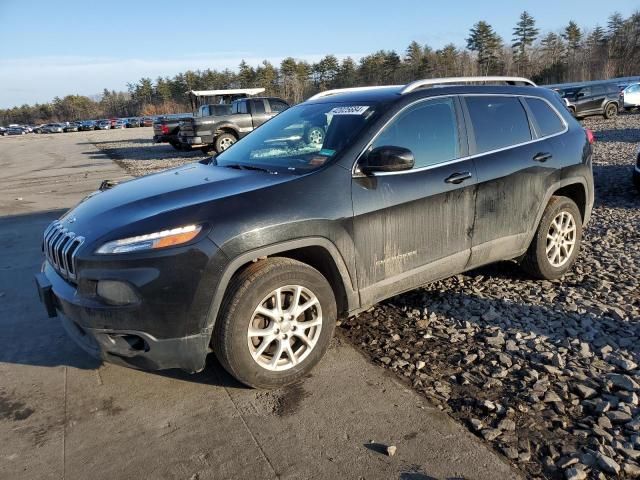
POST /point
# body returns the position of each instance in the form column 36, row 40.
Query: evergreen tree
column 524, row 34
column 486, row 43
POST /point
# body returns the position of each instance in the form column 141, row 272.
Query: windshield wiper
column 240, row 166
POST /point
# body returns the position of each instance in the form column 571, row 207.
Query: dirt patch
column 13, row 409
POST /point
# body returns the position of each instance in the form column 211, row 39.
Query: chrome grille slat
column 60, row 248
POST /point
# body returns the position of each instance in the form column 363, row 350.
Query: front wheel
column 276, row 323
column 611, row 110
column 556, row 243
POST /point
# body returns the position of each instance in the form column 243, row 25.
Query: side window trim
column 536, row 131
column 469, row 133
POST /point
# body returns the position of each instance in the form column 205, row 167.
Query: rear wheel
column 555, row 246
column 315, row 136
column 276, row 323
column 610, row 110
column 224, row 141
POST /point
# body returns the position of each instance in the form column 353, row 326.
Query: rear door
column 598, row 95
column 515, row 166
column 413, row 226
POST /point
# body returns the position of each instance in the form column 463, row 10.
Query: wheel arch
column 317, row 252
column 226, row 128
column 575, row 188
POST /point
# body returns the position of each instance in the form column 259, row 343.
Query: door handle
column 458, row 177
column 542, row 157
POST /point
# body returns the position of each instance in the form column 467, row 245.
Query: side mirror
column 580, row 95
column 387, row 159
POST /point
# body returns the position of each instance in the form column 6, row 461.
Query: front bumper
column 128, row 348
column 168, row 328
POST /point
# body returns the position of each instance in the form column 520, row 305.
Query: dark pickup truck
column 218, row 132
column 166, row 128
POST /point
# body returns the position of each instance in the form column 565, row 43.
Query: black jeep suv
column 593, row 98
column 253, row 255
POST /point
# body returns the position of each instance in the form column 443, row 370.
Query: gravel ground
column 547, row 372
column 134, row 150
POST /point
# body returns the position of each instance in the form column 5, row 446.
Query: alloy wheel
column 561, row 239
column 284, row 328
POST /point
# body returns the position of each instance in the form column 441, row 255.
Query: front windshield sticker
column 327, row 151
column 352, row 110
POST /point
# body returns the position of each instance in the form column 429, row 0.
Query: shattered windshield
column 300, row 139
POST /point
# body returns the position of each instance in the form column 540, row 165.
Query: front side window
column 548, row 121
column 498, row 122
column 302, row 138
column 429, row 129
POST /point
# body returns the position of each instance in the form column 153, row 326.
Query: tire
column 610, row 110
column 224, row 141
column 537, row 261
column 572, row 110
column 255, row 286
column 314, row 136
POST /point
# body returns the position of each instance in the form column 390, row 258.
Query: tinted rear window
column 547, row 120
column 498, row 122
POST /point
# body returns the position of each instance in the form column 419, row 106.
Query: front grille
column 60, row 247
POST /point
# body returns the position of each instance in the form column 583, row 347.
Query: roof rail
column 456, row 80
column 335, row 91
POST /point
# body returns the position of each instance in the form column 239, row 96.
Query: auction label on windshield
column 351, row 110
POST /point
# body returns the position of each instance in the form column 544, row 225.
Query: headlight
column 152, row 241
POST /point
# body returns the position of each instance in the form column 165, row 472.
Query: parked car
column 71, row 127
column 120, row 123
column 167, row 127
column 52, row 128
column 147, row 122
column 103, row 125
column 3, row 131
column 593, row 99
column 17, row 130
column 86, row 125
column 133, row 122
column 218, row 132
column 255, row 253
column 631, row 96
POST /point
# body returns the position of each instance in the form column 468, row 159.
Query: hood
column 169, row 199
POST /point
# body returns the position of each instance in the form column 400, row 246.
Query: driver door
column 414, row 226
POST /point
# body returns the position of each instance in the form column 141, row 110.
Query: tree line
column 570, row 55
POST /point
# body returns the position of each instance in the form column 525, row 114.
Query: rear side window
column 257, row 106
column 240, row 107
column 548, row 121
column 429, row 129
column 598, row 90
column 498, row 122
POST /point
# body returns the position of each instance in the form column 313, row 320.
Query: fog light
column 116, row 293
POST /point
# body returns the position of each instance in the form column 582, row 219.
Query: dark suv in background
column 253, row 255
column 593, row 99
